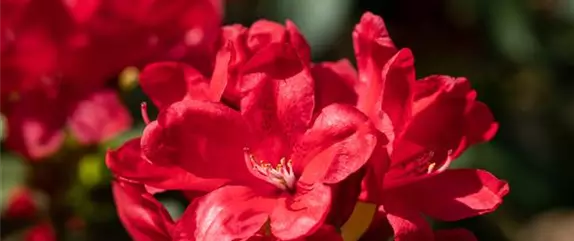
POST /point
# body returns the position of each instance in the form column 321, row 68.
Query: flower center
column 281, row 175
column 422, row 165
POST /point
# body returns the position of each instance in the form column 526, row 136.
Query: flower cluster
column 58, row 57
column 276, row 147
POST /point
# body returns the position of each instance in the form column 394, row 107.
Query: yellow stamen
column 431, row 167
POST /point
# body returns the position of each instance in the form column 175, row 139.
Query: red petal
column 83, row 11
column 298, row 42
column 334, row 83
column 387, row 96
column 35, row 125
column 458, row 234
column 143, row 216
column 169, row 82
column 480, row 126
column 301, row 214
column 236, row 34
column 21, row 204
column 373, row 45
column 408, row 224
column 279, row 105
column 41, row 232
column 458, row 194
column 345, row 195
column 264, row 32
column 228, row 213
column 399, row 77
column 220, row 77
column 99, row 117
column 129, row 163
column 447, row 116
column 231, row 56
column 339, row 143
column 204, row 138
column 379, row 228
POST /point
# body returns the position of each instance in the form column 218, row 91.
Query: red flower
column 40, row 232
column 37, row 120
column 429, row 123
column 57, row 56
column 278, row 163
column 21, row 205
column 141, row 214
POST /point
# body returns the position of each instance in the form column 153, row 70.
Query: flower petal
column 40, row 232
column 21, row 204
column 459, row 234
column 204, row 138
column 385, row 75
column 168, row 82
column 339, row 143
column 231, row 56
column 458, row 194
column 298, row 41
column 99, row 117
column 265, row 32
column 279, row 105
column 447, row 117
column 228, row 213
column 128, row 162
column 345, row 195
column 334, row 83
column 143, row 216
column 407, row 224
column 372, row 224
column 387, row 98
column 302, row 214
column 35, row 125
column 373, row 45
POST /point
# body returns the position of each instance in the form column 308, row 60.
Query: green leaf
column 13, row 175
column 3, row 128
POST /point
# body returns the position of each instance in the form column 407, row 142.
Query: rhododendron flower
column 429, row 122
column 278, row 163
column 22, row 207
column 21, row 204
column 36, row 121
column 40, row 232
column 58, row 55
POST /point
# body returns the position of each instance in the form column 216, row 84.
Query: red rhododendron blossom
column 40, row 232
column 21, row 204
column 58, row 55
column 141, row 214
column 429, row 122
column 36, row 121
column 278, row 161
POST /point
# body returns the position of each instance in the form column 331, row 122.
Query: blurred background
column 518, row 54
